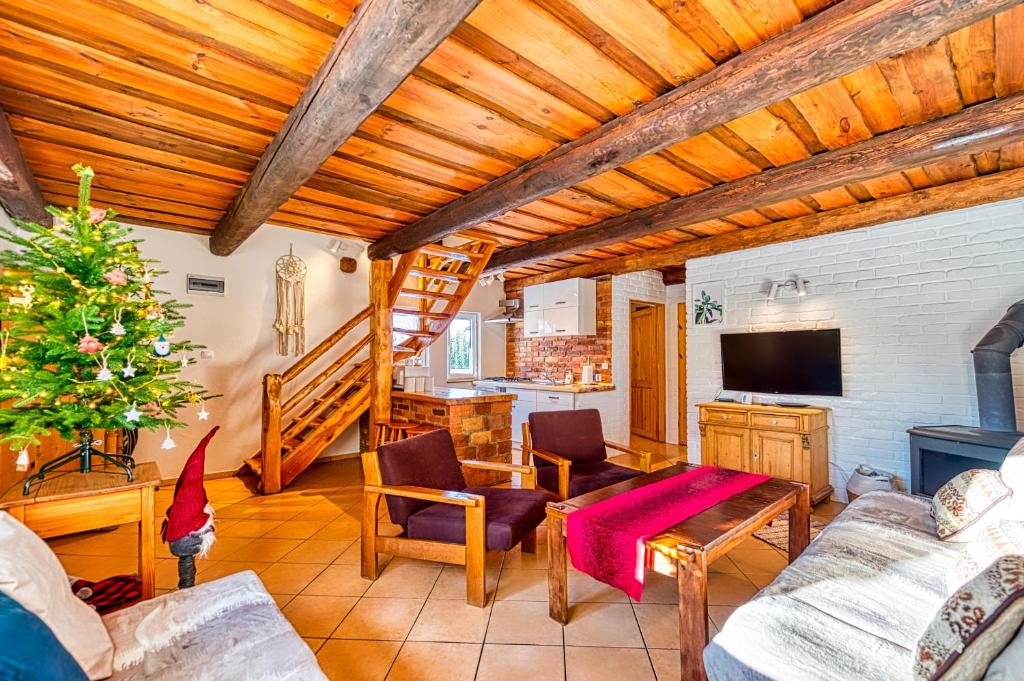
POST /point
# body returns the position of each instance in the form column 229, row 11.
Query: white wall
column 483, row 299
column 911, row 298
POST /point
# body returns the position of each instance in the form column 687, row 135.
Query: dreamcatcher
column 291, row 304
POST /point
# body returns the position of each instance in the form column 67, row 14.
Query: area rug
column 777, row 533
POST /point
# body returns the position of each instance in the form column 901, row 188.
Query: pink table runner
column 607, row 540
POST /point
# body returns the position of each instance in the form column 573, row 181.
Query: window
column 464, row 347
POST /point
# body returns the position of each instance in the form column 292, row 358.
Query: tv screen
column 783, row 362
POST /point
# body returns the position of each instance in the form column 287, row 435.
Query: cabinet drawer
column 524, row 397
column 552, row 400
column 775, row 421
column 733, row 418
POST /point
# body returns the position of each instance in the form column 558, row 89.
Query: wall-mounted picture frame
column 709, row 304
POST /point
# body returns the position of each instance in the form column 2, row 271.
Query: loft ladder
column 301, row 417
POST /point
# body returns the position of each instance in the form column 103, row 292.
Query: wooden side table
column 77, row 502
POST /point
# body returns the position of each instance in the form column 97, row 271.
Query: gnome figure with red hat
column 188, row 528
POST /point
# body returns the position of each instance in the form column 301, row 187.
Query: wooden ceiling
column 173, row 102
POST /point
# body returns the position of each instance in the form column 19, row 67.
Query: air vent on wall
column 209, row 286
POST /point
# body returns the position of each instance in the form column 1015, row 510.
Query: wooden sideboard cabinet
column 784, row 442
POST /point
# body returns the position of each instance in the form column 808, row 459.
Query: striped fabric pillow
column 968, row 503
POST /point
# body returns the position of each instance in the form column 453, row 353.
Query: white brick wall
column 911, row 298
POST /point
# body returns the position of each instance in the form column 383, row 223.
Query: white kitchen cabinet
column 561, row 308
column 533, row 298
column 555, row 401
column 525, row 402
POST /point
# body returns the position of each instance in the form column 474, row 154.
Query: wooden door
column 681, row 349
column 727, row 447
column 777, row 454
column 647, row 370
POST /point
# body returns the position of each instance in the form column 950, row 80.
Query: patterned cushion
column 1012, row 472
column 1002, row 539
column 968, row 503
column 974, row 625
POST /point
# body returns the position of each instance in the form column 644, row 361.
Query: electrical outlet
column 206, row 353
column 604, row 365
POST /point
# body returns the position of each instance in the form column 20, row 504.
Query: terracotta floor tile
column 297, row 529
column 223, row 546
column 521, row 663
column 313, row 643
column 282, row 599
column 98, row 567
column 451, row 585
column 322, row 551
column 357, row 660
column 97, row 544
column 607, row 664
column 659, row 624
column 758, row 561
column 726, row 589
column 523, row 622
column 760, row 580
column 719, row 614
column 585, row 589
column 318, row 616
column 522, row 585
column 451, row 621
column 338, row 580
column 666, row 664
column 215, row 569
column 265, row 549
column 249, row 528
column 289, row 578
column 405, row 581
column 604, row 625
column 419, row 661
column 380, row 619
column 725, row 564
column 661, row 589
column 342, row 528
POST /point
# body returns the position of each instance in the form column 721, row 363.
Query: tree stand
column 83, row 452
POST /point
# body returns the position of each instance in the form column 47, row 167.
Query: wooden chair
column 570, row 452
column 393, row 431
column 443, row 519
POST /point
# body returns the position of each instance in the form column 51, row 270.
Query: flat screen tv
column 783, row 362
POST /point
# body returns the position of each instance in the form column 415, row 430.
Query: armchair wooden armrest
column 646, row 456
column 528, row 473
column 563, row 469
column 427, row 494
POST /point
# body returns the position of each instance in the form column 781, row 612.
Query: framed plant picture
column 709, row 304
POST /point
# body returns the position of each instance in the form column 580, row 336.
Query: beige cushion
column 1009, row 666
column 974, row 625
column 1005, row 538
column 1012, row 472
column 968, row 503
column 31, row 574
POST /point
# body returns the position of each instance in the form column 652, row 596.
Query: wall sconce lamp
column 489, row 279
column 347, row 253
column 797, row 283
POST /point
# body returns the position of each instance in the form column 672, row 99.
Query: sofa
column 856, row 603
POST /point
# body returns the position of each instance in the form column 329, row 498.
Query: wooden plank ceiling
column 173, row 101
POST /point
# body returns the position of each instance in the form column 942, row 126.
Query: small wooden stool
column 393, row 431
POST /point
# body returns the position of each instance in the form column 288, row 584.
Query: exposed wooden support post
column 381, row 347
column 675, row 277
column 19, row 193
column 379, row 47
column 842, row 39
column 964, row 194
column 270, row 474
column 980, row 128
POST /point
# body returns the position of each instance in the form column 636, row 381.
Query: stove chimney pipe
column 992, row 371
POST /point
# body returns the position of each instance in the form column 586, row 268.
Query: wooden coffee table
column 687, row 549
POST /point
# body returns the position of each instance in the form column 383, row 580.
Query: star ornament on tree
column 92, row 292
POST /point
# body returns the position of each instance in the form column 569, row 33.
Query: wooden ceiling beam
column 1008, row 184
column 19, row 193
column 976, row 129
column 837, row 41
column 378, row 48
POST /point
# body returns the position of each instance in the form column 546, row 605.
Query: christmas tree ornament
column 73, row 298
column 21, row 463
column 147, row 275
column 116, row 277
column 161, row 346
column 104, row 374
column 133, row 414
column 184, row 361
column 203, row 415
column 168, row 442
column 189, row 527
column 25, row 299
column 117, row 328
column 291, row 304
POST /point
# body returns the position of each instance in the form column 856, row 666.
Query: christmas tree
column 87, row 343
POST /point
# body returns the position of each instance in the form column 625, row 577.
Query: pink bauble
column 89, row 344
column 97, row 215
column 116, row 277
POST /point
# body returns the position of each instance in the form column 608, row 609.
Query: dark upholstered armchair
column 442, row 518
column 570, row 452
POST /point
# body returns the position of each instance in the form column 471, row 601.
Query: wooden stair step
column 433, row 295
column 414, row 332
column 450, row 252
column 404, row 348
column 421, row 313
column 429, row 273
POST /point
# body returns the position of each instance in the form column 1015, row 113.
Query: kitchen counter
column 557, row 387
column 452, row 395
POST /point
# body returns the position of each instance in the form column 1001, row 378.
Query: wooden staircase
column 427, row 289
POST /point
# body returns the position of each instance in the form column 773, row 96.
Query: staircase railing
column 276, row 407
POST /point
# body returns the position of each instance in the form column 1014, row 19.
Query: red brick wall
column 555, row 355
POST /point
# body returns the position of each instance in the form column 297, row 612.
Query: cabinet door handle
column 775, row 422
column 756, row 456
column 560, row 302
column 552, row 397
column 725, row 417
column 559, row 330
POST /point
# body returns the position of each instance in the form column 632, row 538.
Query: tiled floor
column 412, row 623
